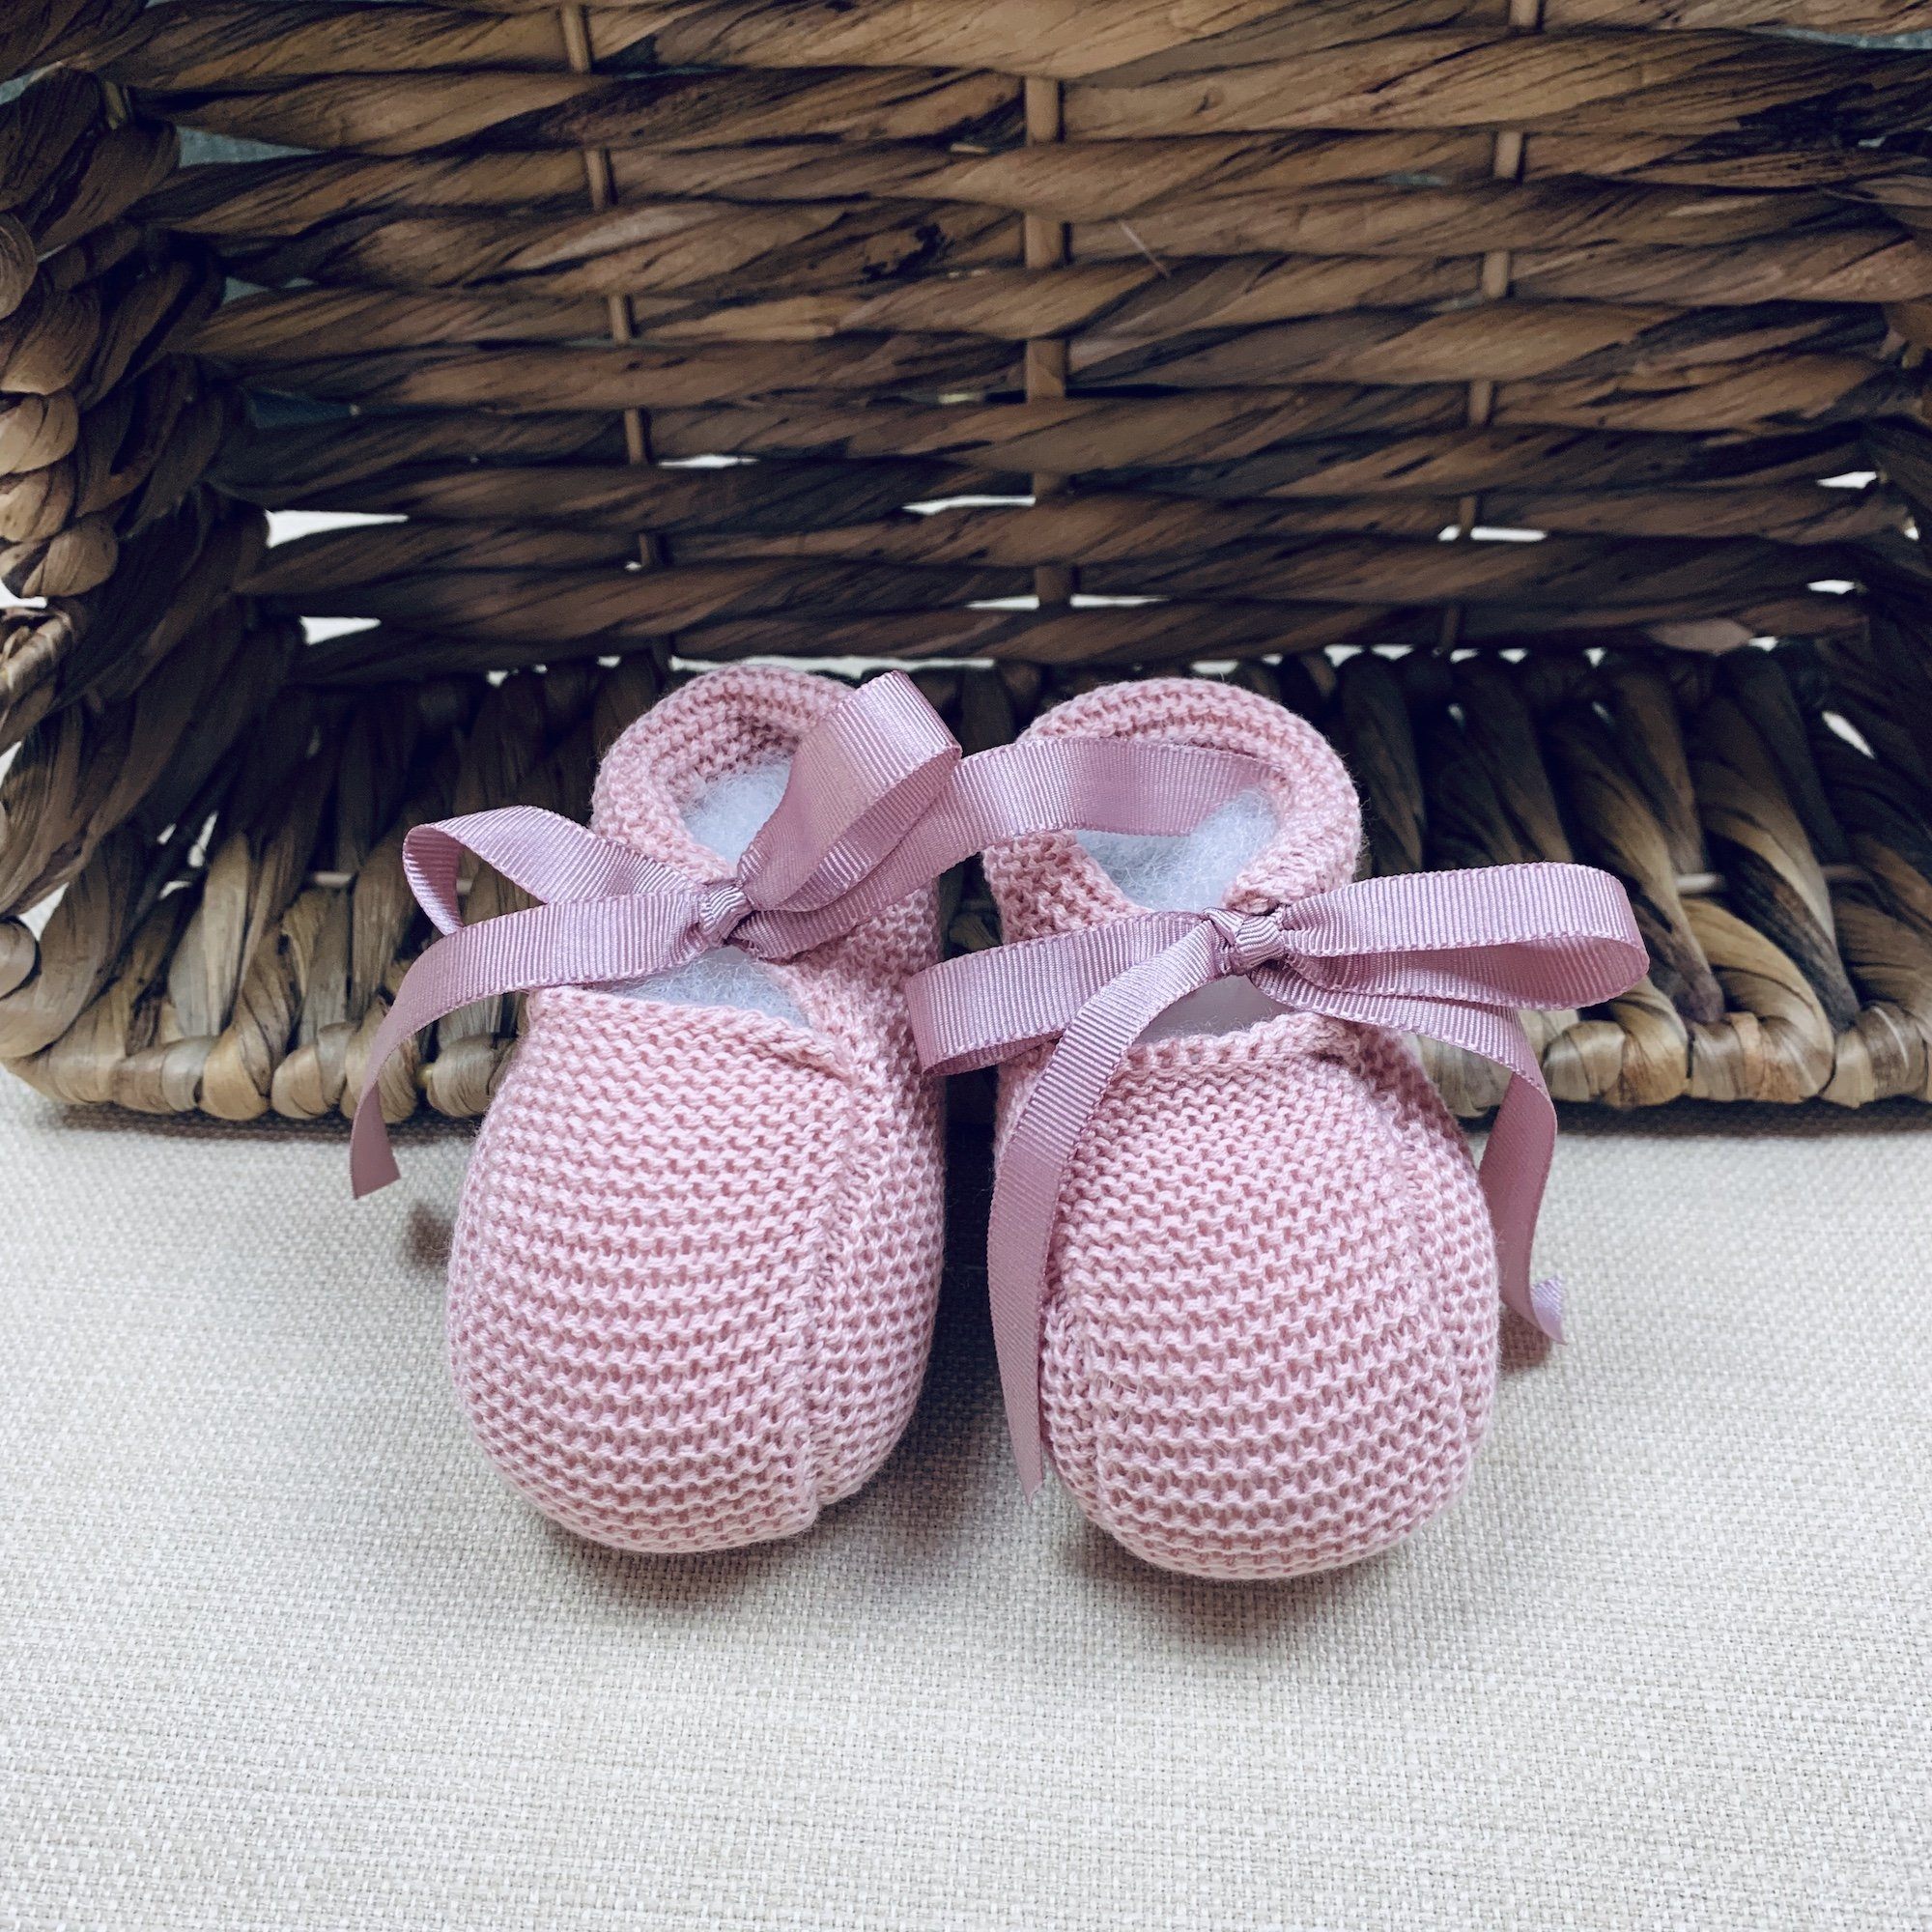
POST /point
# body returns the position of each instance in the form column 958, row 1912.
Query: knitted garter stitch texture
column 1269, row 1339
column 695, row 1270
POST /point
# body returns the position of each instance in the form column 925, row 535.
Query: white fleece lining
column 725, row 817
column 1195, row 870
column 1183, row 874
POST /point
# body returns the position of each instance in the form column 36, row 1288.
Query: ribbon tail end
column 1539, row 1303
column 1545, row 1299
column 364, row 1182
column 372, row 1162
column 1032, row 1471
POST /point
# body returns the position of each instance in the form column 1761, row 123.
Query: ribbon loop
column 1454, row 956
column 1528, row 935
column 550, row 857
column 858, row 784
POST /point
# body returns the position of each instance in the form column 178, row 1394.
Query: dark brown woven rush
column 1488, row 381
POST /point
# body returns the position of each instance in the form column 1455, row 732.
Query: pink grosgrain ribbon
column 879, row 804
column 1451, row 954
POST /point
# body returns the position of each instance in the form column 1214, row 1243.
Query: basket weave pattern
column 1219, row 330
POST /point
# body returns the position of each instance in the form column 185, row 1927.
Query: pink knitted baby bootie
column 1245, row 1277
column 695, row 1264
column 1271, row 1339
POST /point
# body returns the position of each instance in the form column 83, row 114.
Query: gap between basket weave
column 600, row 181
column 1506, row 153
column 1045, row 247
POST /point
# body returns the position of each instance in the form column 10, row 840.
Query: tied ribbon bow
column 1451, row 954
column 821, row 864
column 879, row 804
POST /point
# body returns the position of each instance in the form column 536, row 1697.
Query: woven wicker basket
column 1487, row 383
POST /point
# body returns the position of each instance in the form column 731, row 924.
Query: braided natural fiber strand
column 101, row 430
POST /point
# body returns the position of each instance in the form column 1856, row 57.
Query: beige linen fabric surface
column 280, row 1652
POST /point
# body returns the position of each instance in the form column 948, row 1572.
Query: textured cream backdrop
column 279, row 1652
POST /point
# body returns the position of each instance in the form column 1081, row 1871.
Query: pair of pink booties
column 697, row 1262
